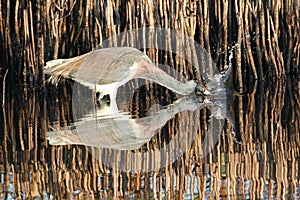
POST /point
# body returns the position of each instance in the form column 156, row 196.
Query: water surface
column 255, row 155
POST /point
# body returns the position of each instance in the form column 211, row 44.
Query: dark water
column 172, row 147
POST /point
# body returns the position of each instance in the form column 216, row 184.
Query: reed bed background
column 264, row 35
column 260, row 39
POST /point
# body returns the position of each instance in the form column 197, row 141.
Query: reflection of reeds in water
column 263, row 154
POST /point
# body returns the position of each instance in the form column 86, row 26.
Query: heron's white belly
column 111, row 88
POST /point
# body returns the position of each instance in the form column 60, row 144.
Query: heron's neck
column 158, row 76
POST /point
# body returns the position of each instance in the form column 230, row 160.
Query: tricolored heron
column 107, row 69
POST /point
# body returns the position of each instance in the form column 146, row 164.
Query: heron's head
column 200, row 88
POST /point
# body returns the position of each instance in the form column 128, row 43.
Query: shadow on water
column 260, row 150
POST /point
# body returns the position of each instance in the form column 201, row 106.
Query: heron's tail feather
column 63, row 68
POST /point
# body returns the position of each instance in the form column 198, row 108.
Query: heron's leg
column 113, row 103
column 95, row 100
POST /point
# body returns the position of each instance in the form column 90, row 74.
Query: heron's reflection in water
column 122, row 132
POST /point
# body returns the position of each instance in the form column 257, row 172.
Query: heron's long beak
column 198, row 90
